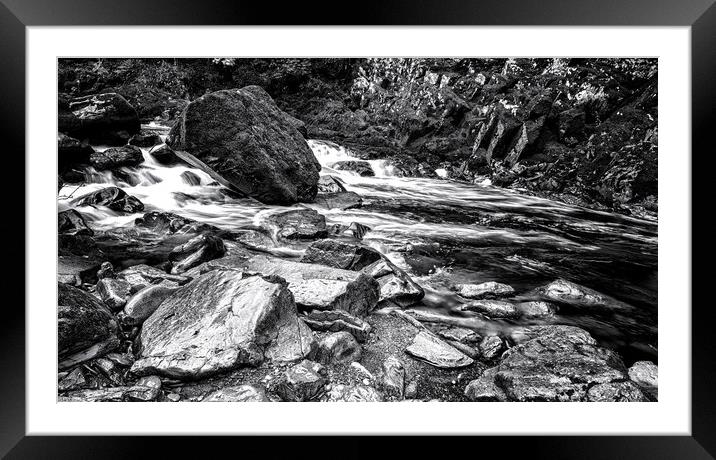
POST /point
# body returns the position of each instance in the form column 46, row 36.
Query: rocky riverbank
column 295, row 304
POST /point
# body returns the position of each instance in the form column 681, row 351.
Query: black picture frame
column 16, row 15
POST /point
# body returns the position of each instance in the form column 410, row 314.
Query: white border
column 671, row 415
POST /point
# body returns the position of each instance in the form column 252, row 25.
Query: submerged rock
column 197, row 250
column 362, row 168
column 338, row 347
column 436, row 352
column 113, row 197
column 219, row 321
column 297, row 224
column 71, row 222
column 339, row 254
column 487, row 290
column 337, row 320
column 243, row 136
column 86, row 328
column 395, row 284
column 302, row 382
column 242, row 393
column 492, row 308
column 117, row 157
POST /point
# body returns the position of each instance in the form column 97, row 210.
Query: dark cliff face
column 579, row 130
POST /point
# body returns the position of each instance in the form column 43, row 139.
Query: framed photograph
column 457, row 219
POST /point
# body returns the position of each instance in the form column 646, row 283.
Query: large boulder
column 86, row 328
column 243, row 136
column 219, row 321
column 102, row 118
column 112, row 197
column 117, row 157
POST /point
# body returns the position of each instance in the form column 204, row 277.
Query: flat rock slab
column 432, row 350
column 487, row 290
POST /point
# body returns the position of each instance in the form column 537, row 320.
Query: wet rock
column 102, row 118
column 297, row 224
column 646, row 375
column 111, row 394
column 492, row 308
column 113, row 292
column 460, row 334
column 339, row 254
column 615, row 392
column 86, row 327
column 555, row 363
column 484, row 388
column 537, row 309
column 392, row 380
column 164, row 155
column 75, row 269
column 71, row 151
column 241, row 393
column 432, row 350
column 317, row 287
column 338, row 347
column 339, row 200
column 145, row 302
column 71, row 222
column 337, row 320
column 330, row 184
column 190, row 178
column 142, row 276
column 167, row 222
column 247, row 139
column 219, row 321
column 488, row 290
column 352, row 393
column 395, row 284
column 302, row 382
column 106, row 270
column 197, row 250
column 146, row 389
column 362, row 168
column 491, row 347
column 565, row 291
column 117, row 157
column 112, row 197
column 145, row 140
column 75, row 380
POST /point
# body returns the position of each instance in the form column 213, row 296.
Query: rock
column 302, row 382
column 113, row 292
column 243, row 136
column 297, row 224
column 488, row 290
column 352, row 393
column 219, row 321
column 565, row 291
column 112, row 197
column 316, row 287
column 164, row 155
column 70, row 151
column 432, row 350
column 337, row 320
column 145, row 302
column 339, row 200
column 362, row 168
column 338, row 254
column 86, row 327
column 106, row 270
column 527, row 141
column 142, row 276
column 330, row 184
column 241, row 393
column 491, row 347
column 484, row 388
column 102, row 118
column 71, row 222
column 554, row 363
column 646, row 375
column 117, row 157
column 190, row 178
column 492, row 308
column 111, row 394
column 536, row 309
column 338, row 347
column 72, row 381
column 167, row 222
column 615, row 392
column 395, row 284
column 146, row 389
column 392, row 380
column 197, row 250
column 460, row 334
column 145, row 140
column 75, row 270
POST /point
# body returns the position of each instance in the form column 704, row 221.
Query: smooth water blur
column 443, row 233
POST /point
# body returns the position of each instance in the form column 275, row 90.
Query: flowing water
column 443, row 233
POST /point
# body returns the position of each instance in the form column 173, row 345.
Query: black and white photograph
column 419, row 229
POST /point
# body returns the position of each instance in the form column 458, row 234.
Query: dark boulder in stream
column 339, row 254
column 243, row 136
column 71, row 151
column 71, row 222
column 362, row 168
column 117, row 157
column 102, row 118
column 297, row 224
column 114, row 198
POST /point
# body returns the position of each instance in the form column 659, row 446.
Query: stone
column 537, row 309
column 352, row 393
column 487, row 290
column 71, row 151
column 491, row 347
column 145, row 140
column 484, row 388
column 145, row 302
column 646, row 375
column 102, row 118
column 337, row 348
column 190, row 178
column 112, row 197
column 339, row 200
column 219, row 321
column 339, row 254
column 330, row 184
column 395, row 284
column 362, row 168
column 241, row 393
column 297, row 224
column 243, row 136
column 86, row 328
column 392, row 380
column 492, row 308
column 164, row 155
column 75, row 269
column 302, row 382
column 337, row 320
column 169, row 223
column 142, row 276
column 562, row 290
column 113, row 292
column 146, row 389
column 436, row 352
column 117, row 157
column 615, row 392
column 71, row 222
column 196, row 251
column 460, row 334
column 75, row 380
